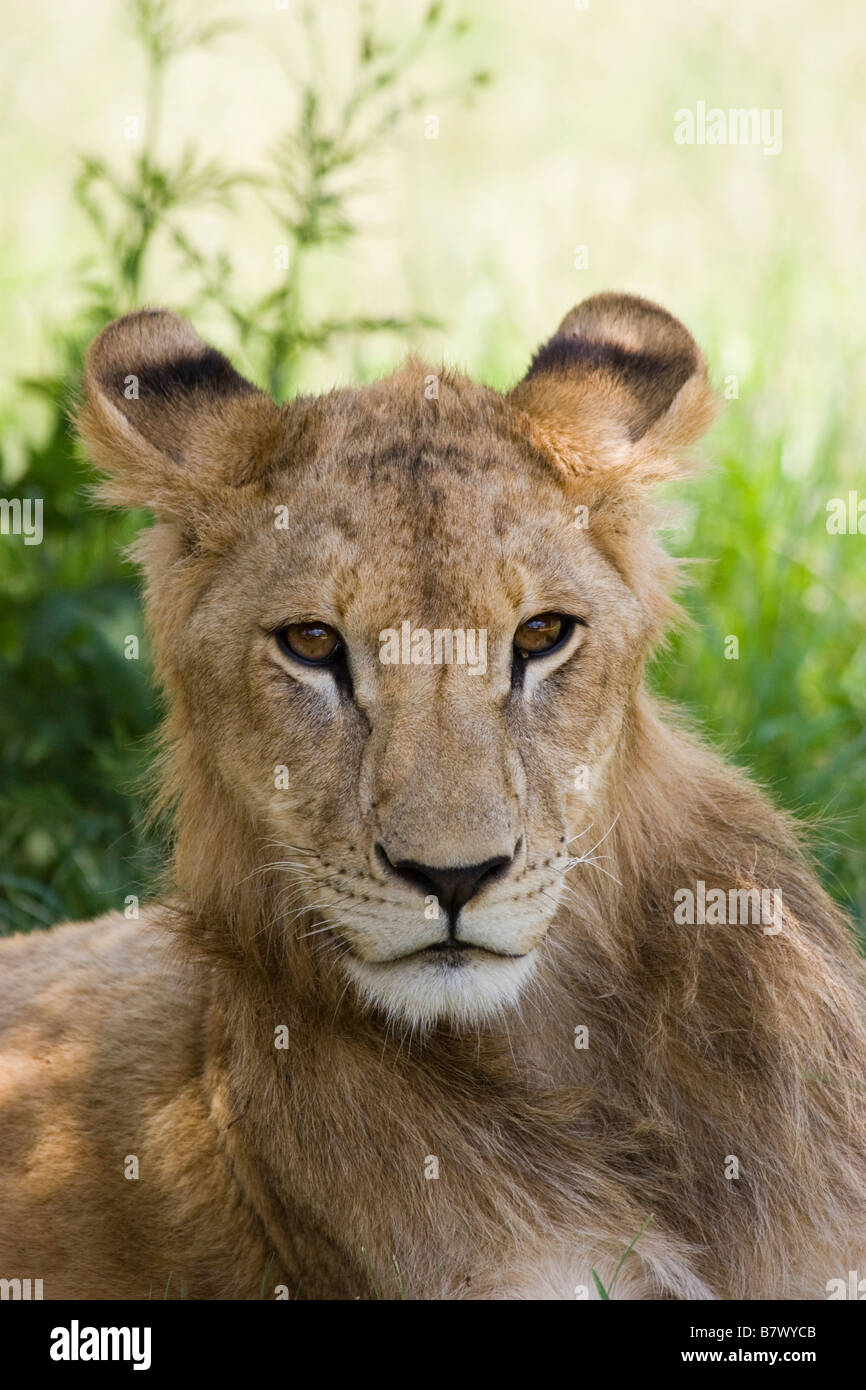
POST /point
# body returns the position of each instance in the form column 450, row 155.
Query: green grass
column 792, row 708
column 605, row 1292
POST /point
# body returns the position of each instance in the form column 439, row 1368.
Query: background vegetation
column 272, row 174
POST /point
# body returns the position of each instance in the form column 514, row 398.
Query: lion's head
column 402, row 628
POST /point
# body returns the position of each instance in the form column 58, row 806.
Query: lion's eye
column 316, row 644
column 542, row 634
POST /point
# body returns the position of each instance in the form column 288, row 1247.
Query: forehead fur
column 407, row 506
column 418, row 421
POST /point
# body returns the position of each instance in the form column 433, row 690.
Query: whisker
column 316, row 932
column 597, row 866
column 605, row 835
column 299, row 849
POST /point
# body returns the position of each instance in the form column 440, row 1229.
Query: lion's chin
column 422, row 991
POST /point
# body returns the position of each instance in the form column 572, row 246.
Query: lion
column 419, row 1011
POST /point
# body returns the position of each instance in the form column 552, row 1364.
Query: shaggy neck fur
column 699, row 1052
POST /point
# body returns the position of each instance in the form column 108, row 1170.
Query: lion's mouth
column 456, row 952
column 451, row 953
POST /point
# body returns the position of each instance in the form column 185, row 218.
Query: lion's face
column 410, row 658
column 425, row 806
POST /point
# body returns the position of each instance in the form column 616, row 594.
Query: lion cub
column 423, row 1011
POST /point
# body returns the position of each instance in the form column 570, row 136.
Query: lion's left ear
column 620, row 388
column 167, row 418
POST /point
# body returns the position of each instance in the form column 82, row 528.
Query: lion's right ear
column 167, row 418
column 618, row 393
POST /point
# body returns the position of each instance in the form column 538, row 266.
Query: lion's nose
column 451, row 887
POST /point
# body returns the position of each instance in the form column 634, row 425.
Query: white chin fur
column 424, row 992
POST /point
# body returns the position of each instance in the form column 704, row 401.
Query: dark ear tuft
column 652, row 378
column 166, row 416
column 154, row 368
column 621, row 369
column 207, row 370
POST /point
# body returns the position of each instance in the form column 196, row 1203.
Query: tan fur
column 306, row 1169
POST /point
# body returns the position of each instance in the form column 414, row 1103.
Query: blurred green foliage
column 77, row 718
column 791, row 709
